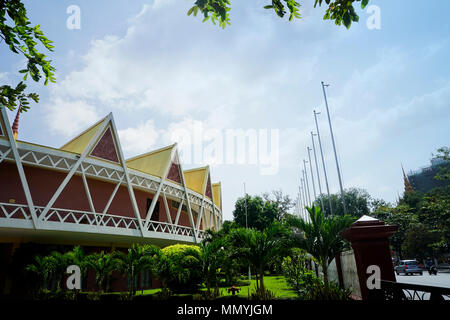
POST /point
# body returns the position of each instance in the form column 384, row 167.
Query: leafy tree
column 137, row 259
column 104, row 264
column 339, row 11
column 358, row 203
column 321, row 237
column 418, row 242
column 22, row 38
column 402, row 216
column 443, row 153
column 283, row 203
column 254, row 212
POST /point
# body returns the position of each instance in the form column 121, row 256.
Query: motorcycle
column 432, row 270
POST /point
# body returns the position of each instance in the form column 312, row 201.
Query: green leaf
column 364, row 3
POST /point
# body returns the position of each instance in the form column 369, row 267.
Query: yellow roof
column 217, row 194
column 195, row 179
column 154, row 162
column 80, row 142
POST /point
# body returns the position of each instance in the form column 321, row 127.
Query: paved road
column 439, row 280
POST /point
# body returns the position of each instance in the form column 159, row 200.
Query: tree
column 137, row 259
column 260, row 248
column 418, row 242
column 283, row 203
column 339, row 11
column 77, row 257
column 60, row 262
column 402, row 216
column 212, row 256
column 321, row 237
column 254, row 212
column 43, row 268
column 104, row 264
column 358, row 202
column 21, row 38
column 443, row 153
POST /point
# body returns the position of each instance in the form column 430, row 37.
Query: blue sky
column 158, row 70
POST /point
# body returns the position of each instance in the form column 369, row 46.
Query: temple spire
column 15, row 126
column 408, row 187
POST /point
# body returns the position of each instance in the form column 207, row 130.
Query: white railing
column 11, row 212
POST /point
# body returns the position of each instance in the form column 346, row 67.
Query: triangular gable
column 195, row 179
column 174, row 173
column 80, row 142
column 217, row 193
column 106, row 148
column 154, row 163
column 208, row 190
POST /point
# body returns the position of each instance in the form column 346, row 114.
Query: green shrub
column 259, row 294
column 319, row 291
column 179, row 268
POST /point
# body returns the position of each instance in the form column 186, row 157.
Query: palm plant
column 78, row 257
column 137, row 259
column 321, row 236
column 104, row 264
column 212, row 255
column 43, row 268
column 60, row 262
column 260, row 249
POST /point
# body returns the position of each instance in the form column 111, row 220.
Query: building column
column 369, row 238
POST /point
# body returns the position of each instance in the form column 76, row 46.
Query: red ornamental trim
column 105, row 148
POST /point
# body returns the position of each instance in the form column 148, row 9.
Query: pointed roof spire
column 15, row 126
column 408, row 187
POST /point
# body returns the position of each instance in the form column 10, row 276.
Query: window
column 155, row 215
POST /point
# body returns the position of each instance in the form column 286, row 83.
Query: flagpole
column 334, row 148
column 317, row 169
column 323, row 161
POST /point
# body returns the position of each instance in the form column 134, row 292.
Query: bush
column 179, row 267
column 259, row 294
column 294, row 268
column 318, row 291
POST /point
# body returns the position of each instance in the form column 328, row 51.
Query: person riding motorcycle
column 431, row 267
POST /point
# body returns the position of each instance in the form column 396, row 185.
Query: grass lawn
column 276, row 284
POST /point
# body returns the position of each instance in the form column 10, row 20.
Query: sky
column 168, row 77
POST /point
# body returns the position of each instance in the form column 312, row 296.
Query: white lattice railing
column 12, row 211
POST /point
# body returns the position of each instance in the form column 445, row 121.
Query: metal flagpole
column 334, row 148
column 305, row 179
column 303, row 196
column 312, row 175
column 300, row 202
column 323, row 161
column 317, row 169
column 246, row 227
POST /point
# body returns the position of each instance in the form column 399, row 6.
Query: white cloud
column 70, row 117
column 140, row 139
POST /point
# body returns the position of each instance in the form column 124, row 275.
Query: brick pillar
column 369, row 238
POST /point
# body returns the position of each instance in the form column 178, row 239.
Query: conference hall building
column 86, row 193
